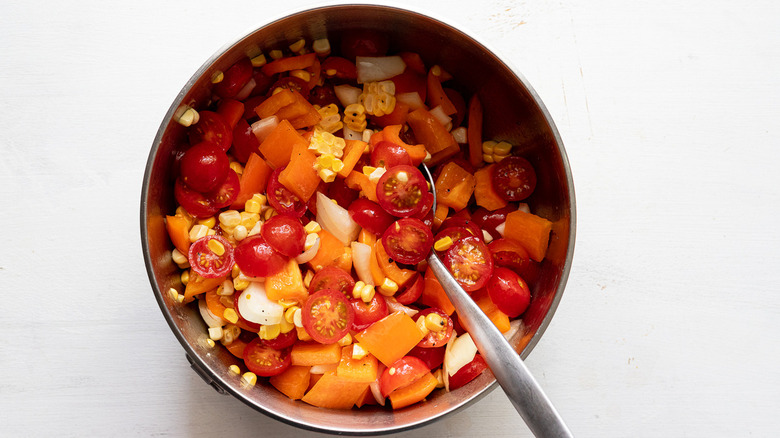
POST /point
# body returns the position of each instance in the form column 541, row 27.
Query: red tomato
column 413, row 62
column 426, row 209
column 513, row 256
column 328, row 316
column 401, row 373
column 337, row 67
column 368, row 313
column 323, row 95
column 401, row 190
column 265, row 361
column 509, row 292
column 343, row 195
column 196, row 203
column 432, row 357
column 234, row 79
column 408, row 241
column 227, row 192
column 388, row 154
column 459, row 104
column 468, row 372
column 244, row 141
column 203, row 167
column 284, row 340
column 249, row 108
column 436, row 338
column 459, row 222
column 413, row 292
column 213, row 128
column 210, row 264
column 470, row 262
column 285, row 234
column 370, row 215
column 454, row 233
column 281, row 199
column 256, row 258
column 292, row 83
column 332, row 277
column 514, row 178
column 363, row 42
column 262, row 83
column 489, row 220
column 410, row 82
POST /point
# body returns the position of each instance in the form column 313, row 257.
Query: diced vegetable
column 287, row 284
column 484, row 193
column 357, row 370
column 255, row 306
column 254, row 179
column 314, row 353
column 336, row 220
column 299, row 176
column 179, row 231
column 454, row 186
column 430, row 132
column 279, row 144
column 390, row 338
column 460, row 353
column 417, row 391
column 293, row 382
column 532, row 232
column 372, row 69
column 335, row 392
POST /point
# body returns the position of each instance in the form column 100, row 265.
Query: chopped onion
column 460, row 134
column 244, row 92
column 254, row 306
column 209, row 318
column 461, row 353
column 263, row 127
column 412, row 99
column 445, row 376
column 376, row 392
column 524, row 207
column 394, row 306
column 500, row 228
column 347, row 94
column 336, row 220
column 361, row 260
column 372, row 69
column 309, row 254
column 441, row 117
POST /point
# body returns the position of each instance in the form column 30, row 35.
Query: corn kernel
column 268, row 332
column 198, row 231
column 289, row 314
column 230, row 333
column 276, row 54
column 376, row 174
column 357, row 289
column 443, row 244
column 240, row 233
column 502, row 148
column 391, row 371
column 287, row 303
column 248, row 379
column 231, row 315
column 269, row 213
column 327, row 175
column 321, row 47
column 185, row 277
column 259, row 60
column 434, row 322
column 237, row 167
column 285, row 326
column 211, row 232
column 301, row 74
column 368, row 170
column 235, row 271
column 421, row 325
column 298, row 319
column 311, row 240
column 358, row 352
column 367, row 293
column 234, row 369
column 355, row 117
column 187, row 116
column 303, row 335
column 249, row 219
column 402, row 177
column 230, row 218
column 174, row 294
column 255, row 229
column 208, row 222
column 308, row 278
column 388, row 287
column 210, row 342
column 178, row 257
column 312, row 227
column 226, row 288
column 346, row 340
column 487, row 237
column 216, row 247
column 488, row 146
column 439, row 379
column 298, row 45
column 436, row 70
column 215, row 333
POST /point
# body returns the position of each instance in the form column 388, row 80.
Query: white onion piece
column 500, row 228
column 379, row 68
column 441, row 117
column 514, row 327
column 361, row 260
column 347, row 94
column 353, row 135
column 376, row 392
column 309, row 254
column 412, row 99
column 336, row 220
column 209, row 318
column 394, row 306
column 244, row 92
column 460, row 134
column 524, row 207
column 323, row 368
column 461, row 353
column 445, row 376
column 254, row 306
column 263, row 127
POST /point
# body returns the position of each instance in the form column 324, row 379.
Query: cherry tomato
column 234, row 79
column 213, row 128
column 388, row 154
column 513, row 256
column 436, row 338
column 413, row 292
column 284, row 340
column 291, row 83
column 400, row 191
column 203, row 167
column 285, row 234
column 454, row 233
column 509, row 292
column 249, row 108
column 489, row 220
column 337, row 67
column 470, row 262
column 343, row 195
column 363, row 42
column 281, row 199
column 401, row 373
column 459, row 222
column 514, row 178
column 207, row 263
column 262, row 83
column 244, row 141
column 432, row 357
column 194, row 202
column 227, row 192
column 256, row 258
column 368, row 313
column 411, row 82
column 323, row 95
column 327, row 316
column 265, row 361
column 408, row 241
column 370, row 216
column 332, row 277
column 468, row 372
column 413, row 62
column 426, row 209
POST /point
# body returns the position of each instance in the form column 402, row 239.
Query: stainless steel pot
column 513, row 112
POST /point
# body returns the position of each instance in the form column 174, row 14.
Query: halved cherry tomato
column 262, row 84
column 244, row 141
column 337, row 67
column 400, row 191
column 509, row 292
column 363, row 42
column 227, row 192
column 284, row 340
column 413, row 62
column 249, row 108
column 514, row 178
column 454, row 233
column 470, row 262
column 411, row 82
column 368, row 313
column 401, row 373
column 460, row 222
column 327, row 316
column 370, row 216
column 265, row 361
column 213, row 128
column 426, row 209
column 413, row 292
column 281, row 199
column 436, row 338
column 256, row 258
column 513, row 256
column 388, row 154
column 432, row 357
column 292, row 83
column 489, row 220
column 196, row 203
column 208, row 263
column 285, row 234
column 408, row 241
column 323, row 95
column 203, row 167
column 468, row 372
column 343, row 195
column 234, row 79
column 332, row 277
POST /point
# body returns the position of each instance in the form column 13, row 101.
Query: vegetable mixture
column 304, row 223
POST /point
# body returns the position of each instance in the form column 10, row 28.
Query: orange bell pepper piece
column 331, row 252
column 179, row 231
column 198, row 285
column 353, row 150
column 357, row 370
column 484, row 193
column 334, row 392
column 278, row 146
column 314, row 353
column 390, row 268
column 454, row 186
column 532, row 232
column 299, row 176
column 253, row 180
column 359, row 181
column 300, row 113
column 293, row 382
column 499, row 318
column 274, row 103
column 437, row 96
column 299, row 62
column 231, row 110
column 430, row 132
column 287, row 284
column 390, row 338
column 433, row 294
column 414, row 392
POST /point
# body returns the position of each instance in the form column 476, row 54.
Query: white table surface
column 670, row 114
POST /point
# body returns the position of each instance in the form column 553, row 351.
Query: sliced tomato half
column 408, row 241
column 211, row 256
column 470, row 262
column 436, row 338
column 401, row 191
column 265, row 361
column 282, row 199
column 327, row 316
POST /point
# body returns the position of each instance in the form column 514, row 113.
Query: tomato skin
column 327, row 316
column 470, row 262
column 343, row 195
column 249, row 109
column 244, row 141
column 401, row 373
column 454, row 233
column 284, row 340
column 388, row 154
column 227, row 192
column 285, row 234
column 205, row 262
column 431, row 357
column 332, row 277
column 513, row 256
column 203, row 167
column 436, row 338
column 514, row 178
column 413, row 292
column 194, row 202
column 468, row 372
column 400, row 191
column 292, row 83
column 489, row 220
column 363, row 42
column 370, row 215
column 509, row 292
column 213, row 128
column 408, row 241
column 459, row 222
column 323, row 95
column 256, row 258
column 368, row 313
column 265, row 361
column 281, row 199
column 234, row 79
column 337, row 67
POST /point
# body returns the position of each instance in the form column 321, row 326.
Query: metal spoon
column 511, row 373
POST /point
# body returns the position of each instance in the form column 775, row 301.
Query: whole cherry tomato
column 370, row 215
column 509, row 292
column 204, row 166
column 285, row 234
column 388, row 154
column 256, row 258
column 368, row 313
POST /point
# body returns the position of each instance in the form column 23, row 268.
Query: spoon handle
column 511, row 373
